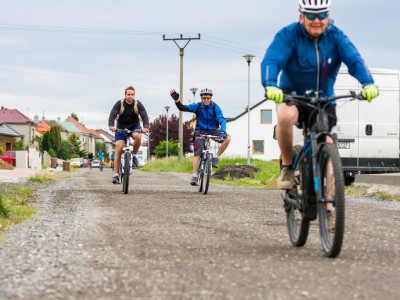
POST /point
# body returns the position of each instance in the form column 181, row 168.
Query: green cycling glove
column 274, row 93
column 369, row 92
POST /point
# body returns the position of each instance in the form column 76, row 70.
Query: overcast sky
column 58, row 57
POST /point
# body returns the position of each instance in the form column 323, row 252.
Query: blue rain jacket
column 311, row 65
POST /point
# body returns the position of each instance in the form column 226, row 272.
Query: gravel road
column 164, row 240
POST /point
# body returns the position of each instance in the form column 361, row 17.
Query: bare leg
column 224, row 145
column 137, row 142
column 118, row 150
column 287, row 118
column 196, row 163
column 330, row 184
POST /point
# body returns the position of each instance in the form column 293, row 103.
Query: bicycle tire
column 331, row 237
column 125, row 181
column 296, row 218
column 207, row 173
column 200, row 176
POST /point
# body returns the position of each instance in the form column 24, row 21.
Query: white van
column 368, row 133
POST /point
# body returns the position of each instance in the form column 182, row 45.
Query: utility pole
column 181, row 50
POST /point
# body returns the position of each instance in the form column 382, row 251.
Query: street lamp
column 194, row 90
column 167, row 108
column 248, row 58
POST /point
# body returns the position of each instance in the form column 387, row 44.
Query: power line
column 210, row 41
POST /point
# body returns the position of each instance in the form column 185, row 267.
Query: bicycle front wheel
column 331, row 209
column 295, row 204
column 207, row 173
column 125, row 181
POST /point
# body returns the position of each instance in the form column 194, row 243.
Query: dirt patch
column 236, row 171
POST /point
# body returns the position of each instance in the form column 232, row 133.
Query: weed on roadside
column 16, row 205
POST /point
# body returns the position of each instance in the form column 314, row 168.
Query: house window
column 258, row 147
column 266, row 116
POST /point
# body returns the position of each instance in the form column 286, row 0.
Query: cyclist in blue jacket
column 308, row 55
column 210, row 120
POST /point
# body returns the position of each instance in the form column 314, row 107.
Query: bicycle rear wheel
column 331, row 224
column 297, row 222
column 125, row 181
column 207, row 173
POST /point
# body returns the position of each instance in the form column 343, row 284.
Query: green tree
column 161, row 149
column 46, row 144
column 52, row 153
column 18, row 144
column 55, row 138
column 66, row 150
column 74, row 115
column 76, row 144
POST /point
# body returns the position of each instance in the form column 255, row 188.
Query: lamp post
column 248, row 58
column 194, row 90
column 167, row 108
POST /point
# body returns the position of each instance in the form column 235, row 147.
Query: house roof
column 7, row 130
column 71, row 127
column 245, row 112
column 42, row 127
column 106, row 134
column 53, row 123
column 13, row 116
column 78, row 125
column 96, row 134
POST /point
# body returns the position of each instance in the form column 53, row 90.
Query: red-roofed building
column 88, row 138
column 42, row 127
column 20, row 123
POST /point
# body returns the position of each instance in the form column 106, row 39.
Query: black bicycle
column 205, row 169
column 127, row 155
column 319, row 180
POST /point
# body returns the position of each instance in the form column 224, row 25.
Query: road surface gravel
column 164, row 240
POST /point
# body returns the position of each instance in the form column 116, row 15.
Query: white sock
column 194, row 174
column 116, row 174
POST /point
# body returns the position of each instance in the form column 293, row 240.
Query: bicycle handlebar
column 316, row 101
column 127, row 131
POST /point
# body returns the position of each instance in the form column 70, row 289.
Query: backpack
column 198, row 110
column 121, row 110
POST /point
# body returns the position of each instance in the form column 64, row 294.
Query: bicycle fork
column 123, row 163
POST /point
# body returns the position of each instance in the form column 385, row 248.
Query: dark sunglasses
column 312, row 17
column 206, row 97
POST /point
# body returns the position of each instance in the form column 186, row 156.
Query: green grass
column 40, row 178
column 269, row 171
column 16, row 205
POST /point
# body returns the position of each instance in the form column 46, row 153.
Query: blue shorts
column 120, row 136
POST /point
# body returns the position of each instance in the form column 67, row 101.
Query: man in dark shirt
column 126, row 113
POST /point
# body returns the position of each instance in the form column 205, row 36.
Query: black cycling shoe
column 135, row 162
column 115, row 179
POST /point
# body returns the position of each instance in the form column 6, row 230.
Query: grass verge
column 266, row 177
column 16, row 205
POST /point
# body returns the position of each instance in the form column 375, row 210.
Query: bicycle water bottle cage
column 322, row 122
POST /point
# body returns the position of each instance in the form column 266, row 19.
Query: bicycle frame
column 318, row 179
column 205, row 168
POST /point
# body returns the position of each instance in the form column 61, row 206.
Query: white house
column 262, row 122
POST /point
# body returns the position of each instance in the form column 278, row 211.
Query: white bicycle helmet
column 314, row 6
column 206, row 92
